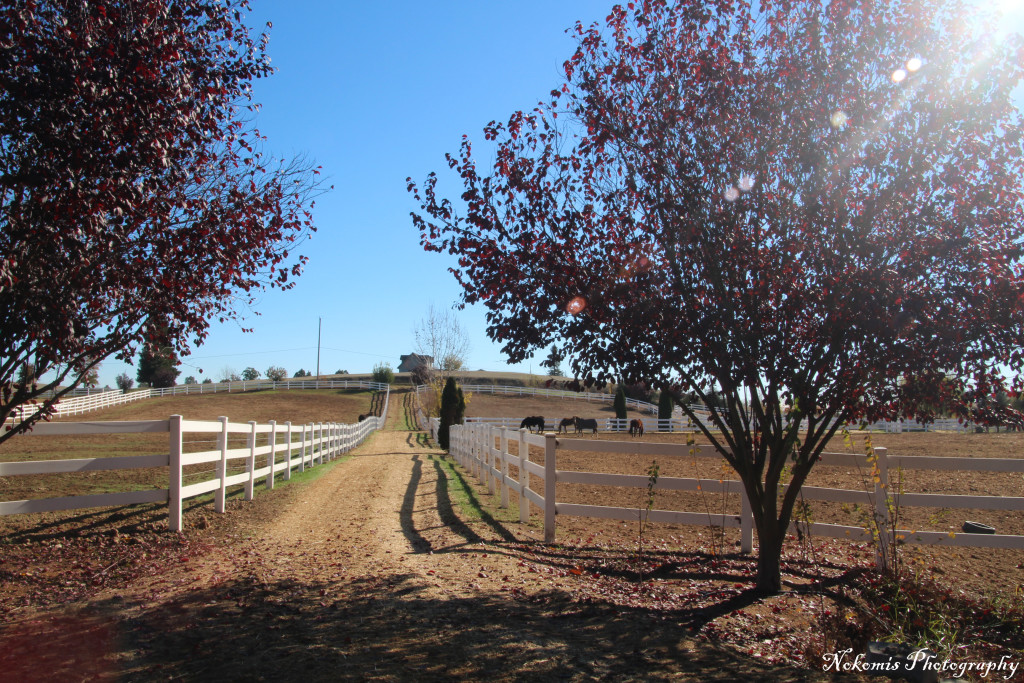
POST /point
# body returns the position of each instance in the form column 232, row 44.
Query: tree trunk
column 769, row 555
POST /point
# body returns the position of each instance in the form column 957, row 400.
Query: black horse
column 531, row 423
column 583, row 425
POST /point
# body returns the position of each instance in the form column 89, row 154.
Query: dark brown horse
column 582, row 425
column 636, row 427
column 564, row 425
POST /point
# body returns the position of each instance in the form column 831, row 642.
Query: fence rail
column 270, row 449
column 484, row 450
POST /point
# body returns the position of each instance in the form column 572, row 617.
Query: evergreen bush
column 619, row 404
column 449, row 410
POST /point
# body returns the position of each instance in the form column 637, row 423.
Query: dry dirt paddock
column 979, row 569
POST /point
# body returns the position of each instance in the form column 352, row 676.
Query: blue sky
column 375, row 92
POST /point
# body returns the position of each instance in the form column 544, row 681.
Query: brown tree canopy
column 135, row 197
column 813, row 209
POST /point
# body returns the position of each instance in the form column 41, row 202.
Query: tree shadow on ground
column 380, row 628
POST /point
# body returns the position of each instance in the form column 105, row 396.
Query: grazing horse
column 564, row 425
column 582, row 425
column 636, row 427
column 531, row 423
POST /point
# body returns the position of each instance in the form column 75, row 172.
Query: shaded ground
column 372, row 569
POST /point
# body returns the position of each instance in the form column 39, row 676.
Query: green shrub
column 383, row 373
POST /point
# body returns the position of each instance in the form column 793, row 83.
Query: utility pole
column 319, row 324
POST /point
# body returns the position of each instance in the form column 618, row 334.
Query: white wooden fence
column 474, row 447
column 642, row 406
column 700, row 411
column 899, row 426
column 105, row 399
column 270, row 449
column 608, row 424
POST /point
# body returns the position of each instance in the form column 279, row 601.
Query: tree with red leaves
column 136, row 203
column 814, row 209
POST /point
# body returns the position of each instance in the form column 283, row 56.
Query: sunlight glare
column 577, row 305
column 899, row 75
column 732, row 194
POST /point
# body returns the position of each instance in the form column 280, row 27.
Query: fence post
column 550, row 446
column 250, row 462
column 504, row 467
column 220, row 502
column 323, row 443
column 883, row 521
column 174, row 489
column 302, row 451
column 272, row 456
column 481, row 455
column 524, row 479
column 491, row 457
column 288, row 451
column 329, row 441
column 746, row 522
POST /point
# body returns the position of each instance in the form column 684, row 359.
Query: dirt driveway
column 368, row 573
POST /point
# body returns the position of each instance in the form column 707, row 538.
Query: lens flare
column 576, row 305
column 746, row 183
column 732, row 194
column 914, row 64
column 839, row 119
column 899, row 75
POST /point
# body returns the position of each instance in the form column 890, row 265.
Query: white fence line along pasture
column 270, row 449
column 105, row 399
column 700, row 411
column 608, row 424
column 473, row 447
column 642, row 406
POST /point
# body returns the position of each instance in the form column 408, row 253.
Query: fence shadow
column 128, row 519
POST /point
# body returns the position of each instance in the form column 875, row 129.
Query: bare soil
column 393, row 565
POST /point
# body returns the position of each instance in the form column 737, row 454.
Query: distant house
column 413, row 361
